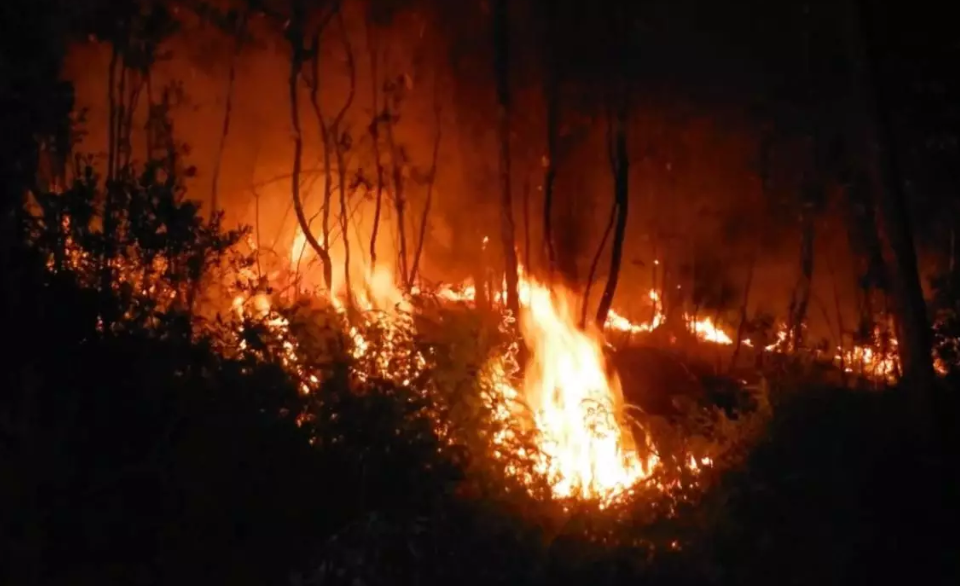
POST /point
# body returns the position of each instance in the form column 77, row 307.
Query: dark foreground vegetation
column 142, row 443
column 151, row 450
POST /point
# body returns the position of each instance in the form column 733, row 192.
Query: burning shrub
column 430, row 417
column 136, row 239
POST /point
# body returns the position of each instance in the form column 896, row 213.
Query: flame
column 575, row 402
column 619, row 323
column 706, row 330
column 877, row 360
column 369, row 289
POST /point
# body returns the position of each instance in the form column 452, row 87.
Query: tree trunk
column 421, row 237
column 295, row 36
column 507, row 230
column 227, row 110
column 801, row 294
column 399, row 199
column 551, row 98
column 339, row 143
column 325, row 259
column 375, row 135
column 595, row 263
column 526, row 227
column 621, row 173
column 912, row 324
column 743, row 313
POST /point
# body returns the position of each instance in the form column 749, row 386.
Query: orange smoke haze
column 693, row 184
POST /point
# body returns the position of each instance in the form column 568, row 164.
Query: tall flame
column 575, row 402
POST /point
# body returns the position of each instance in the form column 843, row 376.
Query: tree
column 618, row 103
column 501, row 40
column 551, row 96
column 295, row 36
column 882, row 168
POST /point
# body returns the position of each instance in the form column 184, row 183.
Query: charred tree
column 341, row 143
column 620, row 167
column 227, row 111
column 551, row 98
column 744, row 304
column 374, row 130
column 800, row 300
column 595, row 263
column 896, row 234
column 398, row 163
column 297, row 58
column 421, row 237
column 526, row 226
column 501, row 40
column 325, row 141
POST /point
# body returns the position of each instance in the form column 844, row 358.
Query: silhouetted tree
column 501, row 41
column 882, row 166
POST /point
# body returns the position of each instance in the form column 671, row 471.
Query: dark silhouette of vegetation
column 151, row 435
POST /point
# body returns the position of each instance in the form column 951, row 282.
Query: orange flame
column 575, row 403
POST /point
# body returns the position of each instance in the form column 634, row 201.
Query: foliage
column 137, row 239
column 142, row 442
column 945, row 311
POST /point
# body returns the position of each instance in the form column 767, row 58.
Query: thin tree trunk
column 295, row 36
column 121, row 115
column 798, row 310
column 526, row 226
column 340, row 147
column 375, row 134
column 743, row 312
column 227, row 110
column 912, row 324
column 126, row 128
column 840, row 326
column 110, row 244
column 550, row 175
column 399, row 201
column 621, row 172
column 507, row 230
column 429, row 199
column 551, row 98
column 112, row 105
column 595, row 263
column 344, row 219
column 325, row 259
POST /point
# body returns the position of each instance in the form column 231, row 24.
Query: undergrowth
column 164, row 444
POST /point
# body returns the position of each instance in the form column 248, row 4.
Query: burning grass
column 437, row 419
column 556, row 425
column 526, row 405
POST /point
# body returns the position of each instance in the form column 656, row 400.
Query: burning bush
column 430, row 414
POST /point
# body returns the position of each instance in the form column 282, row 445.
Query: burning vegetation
column 506, row 305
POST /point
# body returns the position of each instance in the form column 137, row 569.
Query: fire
column 585, row 452
column 877, row 361
column 706, row 330
column 619, row 323
column 575, row 403
column 369, row 289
